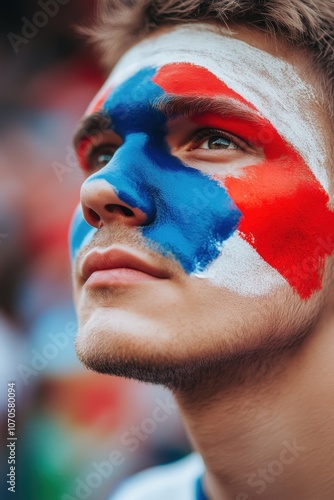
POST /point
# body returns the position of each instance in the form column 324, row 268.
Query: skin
column 250, row 372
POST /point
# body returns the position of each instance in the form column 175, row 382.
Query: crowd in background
column 79, row 433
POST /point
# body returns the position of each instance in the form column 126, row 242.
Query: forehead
column 268, row 83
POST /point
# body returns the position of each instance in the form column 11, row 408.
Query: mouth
column 118, row 267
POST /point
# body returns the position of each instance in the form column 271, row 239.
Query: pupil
column 103, row 159
column 219, row 143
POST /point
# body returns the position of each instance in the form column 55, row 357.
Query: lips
column 118, row 259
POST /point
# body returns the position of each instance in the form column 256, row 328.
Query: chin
column 127, row 344
column 133, row 363
column 188, row 341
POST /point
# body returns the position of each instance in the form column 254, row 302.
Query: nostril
column 127, row 212
column 113, row 208
column 94, row 215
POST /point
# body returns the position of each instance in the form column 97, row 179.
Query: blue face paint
column 188, row 213
column 81, row 232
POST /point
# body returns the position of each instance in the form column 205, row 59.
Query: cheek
column 195, row 215
column 80, row 234
column 286, row 219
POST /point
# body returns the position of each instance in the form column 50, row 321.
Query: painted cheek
column 286, row 215
column 81, row 233
column 196, row 215
column 285, row 209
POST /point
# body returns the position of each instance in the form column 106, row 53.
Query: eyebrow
column 93, row 125
column 172, row 106
column 176, row 106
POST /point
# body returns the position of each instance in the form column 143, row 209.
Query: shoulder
column 176, row 481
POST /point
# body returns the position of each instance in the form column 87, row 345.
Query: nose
column 101, row 205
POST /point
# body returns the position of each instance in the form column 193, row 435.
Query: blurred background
column 78, row 433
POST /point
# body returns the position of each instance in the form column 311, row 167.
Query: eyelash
column 98, row 150
column 203, row 134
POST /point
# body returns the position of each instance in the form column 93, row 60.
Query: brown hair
column 306, row 24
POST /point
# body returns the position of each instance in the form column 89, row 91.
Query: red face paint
column 98, row 105
column 286, row 214
column 82, row 150
column 86, row 142
column 188, row 79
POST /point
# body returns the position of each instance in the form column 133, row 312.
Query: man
column 202, row 249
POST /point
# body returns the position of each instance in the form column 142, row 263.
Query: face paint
column 144, row 165
column 261, row 223
column 98, row 101
column 278, row 219
column 270, row 84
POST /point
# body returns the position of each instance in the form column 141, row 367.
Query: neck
column 273, row 437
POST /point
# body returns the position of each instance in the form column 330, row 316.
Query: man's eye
column 100, row 157
column 209, row 139
column 218, row 142
column 103, row 159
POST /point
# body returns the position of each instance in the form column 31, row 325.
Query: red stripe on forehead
column 188, row 79
column 286, row 214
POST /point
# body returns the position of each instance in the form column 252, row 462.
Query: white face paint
column 268, row 83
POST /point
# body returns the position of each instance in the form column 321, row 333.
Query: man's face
column 205, row 221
